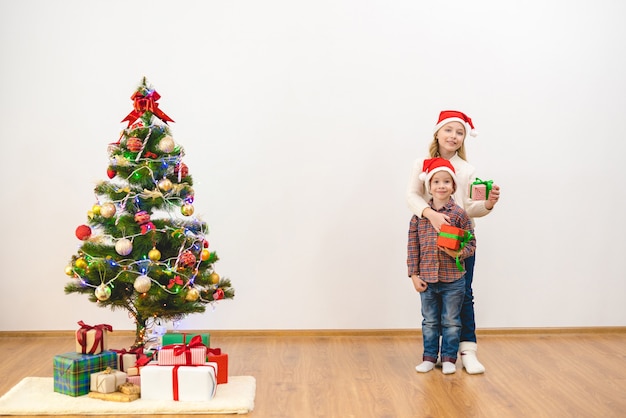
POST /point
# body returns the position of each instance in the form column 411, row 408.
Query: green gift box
column 182, row 338
column 72, row 371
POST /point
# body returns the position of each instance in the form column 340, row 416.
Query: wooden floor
column 372, row 374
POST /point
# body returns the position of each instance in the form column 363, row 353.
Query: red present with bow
column 193, row 353
column 215, row 355
column 92, row 339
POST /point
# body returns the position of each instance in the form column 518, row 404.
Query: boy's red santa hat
column 433, row 165
column 447, row 116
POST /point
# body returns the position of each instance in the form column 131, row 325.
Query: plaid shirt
column 425, row 258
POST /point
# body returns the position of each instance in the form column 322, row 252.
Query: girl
column 449, row 142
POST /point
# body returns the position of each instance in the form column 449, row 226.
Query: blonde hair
column 433, row 150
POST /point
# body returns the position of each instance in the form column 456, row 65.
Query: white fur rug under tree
column 36, row 396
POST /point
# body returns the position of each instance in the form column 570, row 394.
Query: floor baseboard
column 335, row 332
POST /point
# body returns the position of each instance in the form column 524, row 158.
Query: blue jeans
column 468, row 328
column 441, row 309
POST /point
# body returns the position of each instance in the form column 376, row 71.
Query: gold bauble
column 96, row 209
column 192, row 295
column 205, row 254
column 187, row 209
column 154, row 254
column 214, row 278
column 81, row 263
column 69, row 270
column 165, row 185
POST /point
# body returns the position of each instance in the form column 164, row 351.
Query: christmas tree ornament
column 107, row 210
column 143, row 219
column 142, row 283
column 111, row 173
column 166, row 144
column 205, row 243
column 83, row 232
column 96, row 209
column 154, row 254
column 187, row 209
column 103, row 292
column 69, row 270
column 205, row 254
column 124, row 246
column 219, row 294
column 175, row 284
column 181, row 170
column 186, row 259
column 80, row 263
column 134, row 144
column 192, row 294
column 214, row 278
column 165, row 185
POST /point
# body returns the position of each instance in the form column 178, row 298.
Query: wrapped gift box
column 92, row 339
column 127, row 358
column 133, row 371
column 450, row 237
column 129, row 388
column 115, row 396
column 479, row 189
column 107, row 380
column 72, row 371
column 182, row 355
column 179, row 383
column 170, row 338
column 215, row 355
column 135, row 380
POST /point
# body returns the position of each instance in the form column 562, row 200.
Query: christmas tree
column 142, row 249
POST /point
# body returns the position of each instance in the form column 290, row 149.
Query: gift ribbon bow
column 98, row 339
column 467, row 236
column 488, row 185
column 146, row 103
column 180, row 349
column 175, row 281
column 136, row 351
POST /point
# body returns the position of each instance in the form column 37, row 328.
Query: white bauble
column 142, row 283
column 103, row 292
column 107, row 210
column 124, row 246
column 166, row 144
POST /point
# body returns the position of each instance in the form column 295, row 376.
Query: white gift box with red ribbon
column 179, row 383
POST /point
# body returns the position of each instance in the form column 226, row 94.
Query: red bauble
column 187, row 259
column 134, row 144
column 111, row 173
column 83, row 232
column 182, row 169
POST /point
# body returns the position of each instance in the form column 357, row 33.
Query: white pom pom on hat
column 447, row 116
column 432, row 166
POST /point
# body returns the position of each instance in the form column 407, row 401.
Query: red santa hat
column 447, row 116
column 433, row 165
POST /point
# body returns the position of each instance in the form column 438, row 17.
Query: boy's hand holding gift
column 452, row 240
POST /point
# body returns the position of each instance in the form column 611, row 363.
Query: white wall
column 301, row 121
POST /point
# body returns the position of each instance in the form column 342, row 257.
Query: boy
column 434, row 271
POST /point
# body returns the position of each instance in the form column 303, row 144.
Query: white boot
column 468, row 357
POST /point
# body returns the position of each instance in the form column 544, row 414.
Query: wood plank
column 371, row 374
